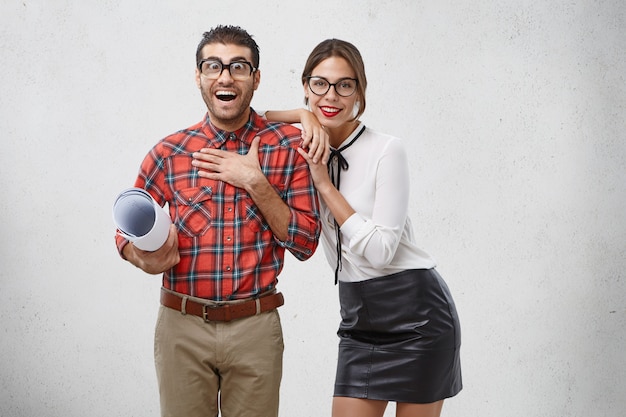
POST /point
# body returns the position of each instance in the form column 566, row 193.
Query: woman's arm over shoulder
column 314, row 137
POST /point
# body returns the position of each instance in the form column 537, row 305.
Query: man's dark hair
column 229, row 35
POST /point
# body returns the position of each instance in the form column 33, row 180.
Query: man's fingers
column 254, row 146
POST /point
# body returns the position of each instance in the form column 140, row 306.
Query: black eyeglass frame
column 334, row 85
column 224, row 66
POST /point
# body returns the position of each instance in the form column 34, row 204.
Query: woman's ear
column 306, row 95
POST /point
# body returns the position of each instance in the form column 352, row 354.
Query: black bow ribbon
column 342, row 165
column 335, row 177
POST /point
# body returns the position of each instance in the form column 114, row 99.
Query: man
column 218, row 338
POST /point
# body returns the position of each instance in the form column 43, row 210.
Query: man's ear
column 197, row 77
column 257, row 79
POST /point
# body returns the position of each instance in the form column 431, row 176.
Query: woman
column 399, row 334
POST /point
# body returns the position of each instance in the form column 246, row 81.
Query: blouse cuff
column 351, row 226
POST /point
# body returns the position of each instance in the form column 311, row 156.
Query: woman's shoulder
column 384, row 141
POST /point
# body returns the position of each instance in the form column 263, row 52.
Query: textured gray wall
column 514, row 115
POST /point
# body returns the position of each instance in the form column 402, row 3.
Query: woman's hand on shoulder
column 314, row 137
column 319, row 171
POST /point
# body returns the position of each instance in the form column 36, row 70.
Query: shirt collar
column 355, row 133
column 217, row 137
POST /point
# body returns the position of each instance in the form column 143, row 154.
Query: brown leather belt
column 221, row 312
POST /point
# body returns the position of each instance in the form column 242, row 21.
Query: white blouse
column 378, row 239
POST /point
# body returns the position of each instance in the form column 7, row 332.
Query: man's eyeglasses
column 239, row 70
column 320, row 86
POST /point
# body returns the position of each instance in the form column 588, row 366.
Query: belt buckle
column 205, row 313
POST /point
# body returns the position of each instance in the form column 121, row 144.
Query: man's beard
column 232, row 115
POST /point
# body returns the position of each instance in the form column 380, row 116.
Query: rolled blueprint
column 140, row 219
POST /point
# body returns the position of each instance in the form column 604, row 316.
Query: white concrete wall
column 514, row 113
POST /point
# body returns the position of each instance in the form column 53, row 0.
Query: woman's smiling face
column 333, row 111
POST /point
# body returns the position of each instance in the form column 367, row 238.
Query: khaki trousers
column 235, row 366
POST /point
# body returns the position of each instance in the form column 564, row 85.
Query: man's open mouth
column 225, row 95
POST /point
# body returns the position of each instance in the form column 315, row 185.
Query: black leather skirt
column 400, row 339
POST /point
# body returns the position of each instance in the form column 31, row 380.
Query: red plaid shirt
column 227, row 249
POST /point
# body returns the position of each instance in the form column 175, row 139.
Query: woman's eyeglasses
column 319, row 86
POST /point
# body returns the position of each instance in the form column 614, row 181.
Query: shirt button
column 228, row 268
column 228, row 239
column 232, row 136
column 230, row 209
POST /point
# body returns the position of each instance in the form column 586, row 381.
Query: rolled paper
column 140, row 219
